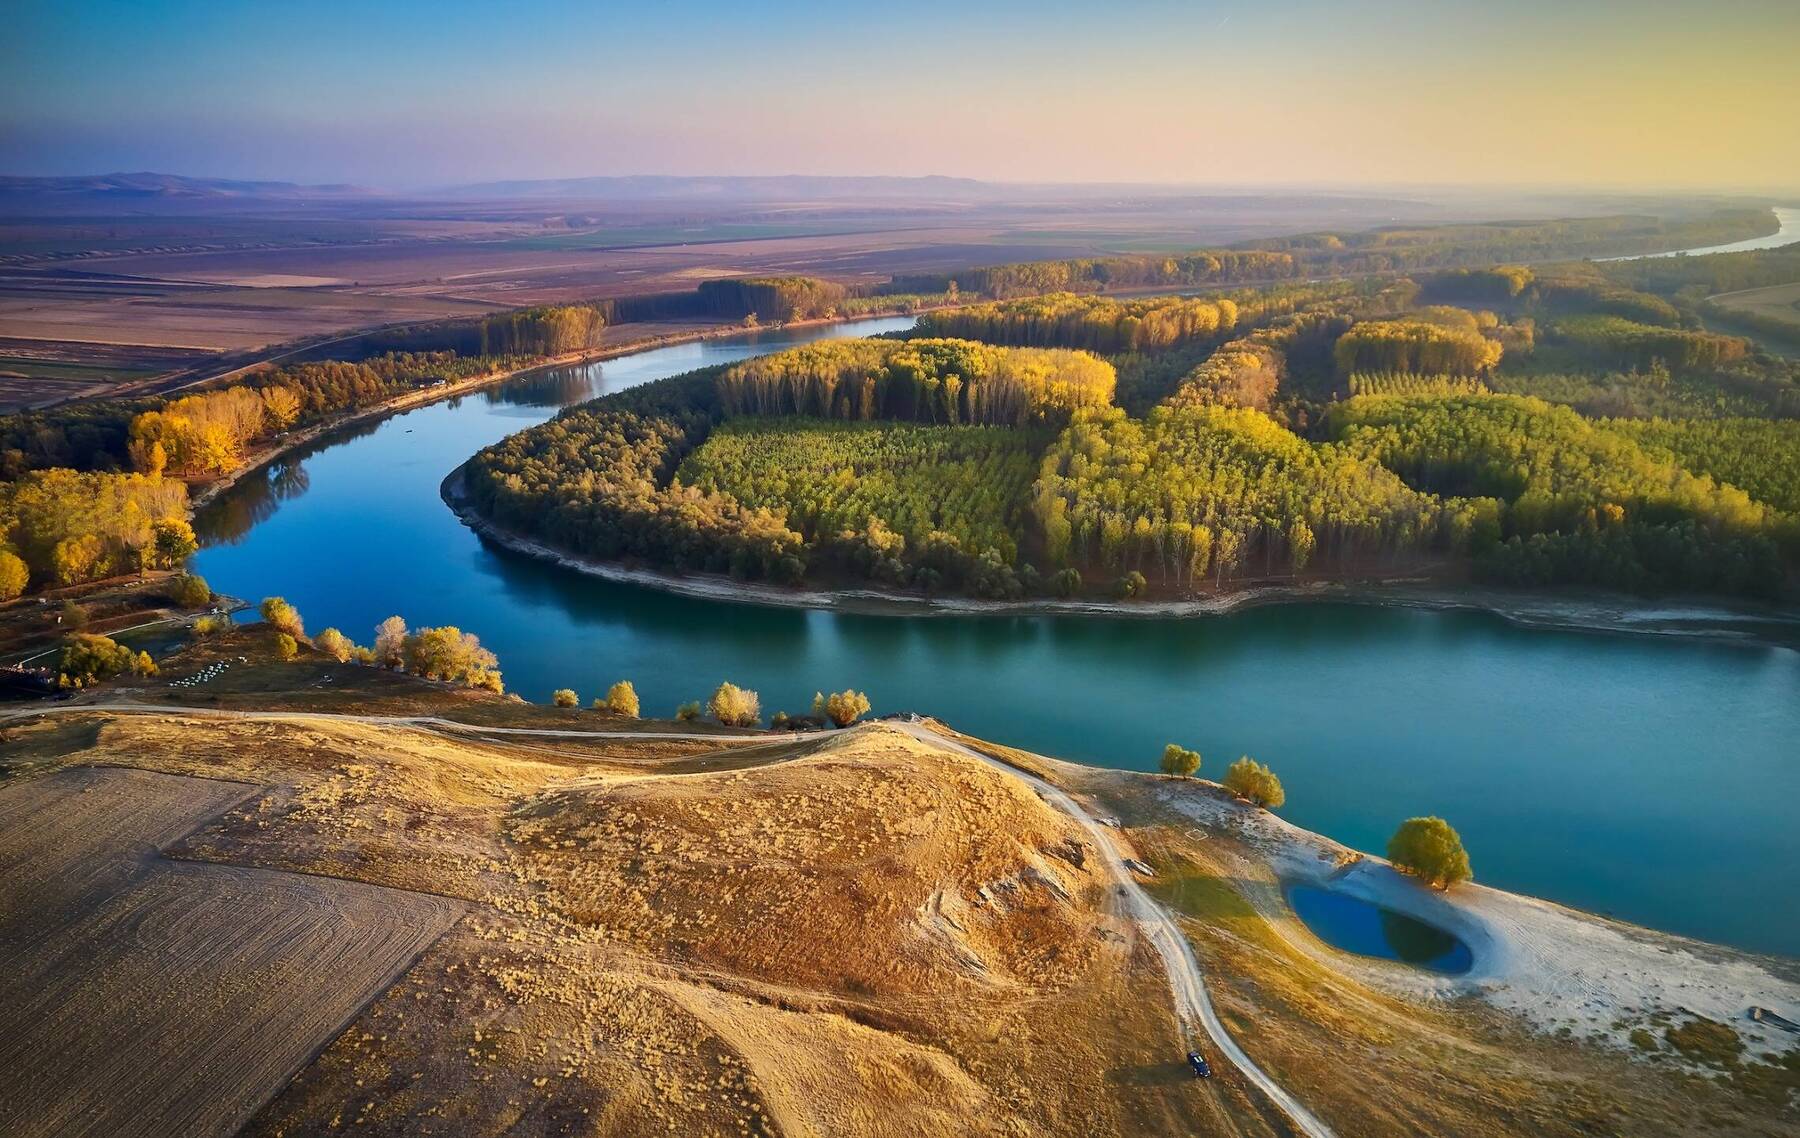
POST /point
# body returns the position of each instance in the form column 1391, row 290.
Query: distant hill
column 83, row 192
column 795, row 187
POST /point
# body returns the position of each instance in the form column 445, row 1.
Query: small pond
column 1369, row 930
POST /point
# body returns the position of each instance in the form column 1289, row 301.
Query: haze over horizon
column 1598, row 96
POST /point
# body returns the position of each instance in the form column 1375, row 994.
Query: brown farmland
column 147, row 996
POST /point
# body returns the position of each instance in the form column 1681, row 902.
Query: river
column 1651, row 778
column 1787, row 234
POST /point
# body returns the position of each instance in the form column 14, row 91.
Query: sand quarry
column 310, row 925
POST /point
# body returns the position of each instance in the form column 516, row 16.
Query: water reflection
column 552, row 387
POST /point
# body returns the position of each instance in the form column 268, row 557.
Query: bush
column 13, row 575
column 209, row 625
column 565, row 697
column 283, row 617
column 1250, row 779
column 688, row 712
column 72, row 615
column 622, row 699
column 1430, row 850
column 1179, row 761
column 88, row 657
column 846, row 707
column 335, row 644
column 191, row 591
column 734, row 706
column 1130, row 585
column 286, row 647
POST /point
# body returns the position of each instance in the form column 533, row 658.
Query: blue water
column 1370, row 930
column 1647, row 778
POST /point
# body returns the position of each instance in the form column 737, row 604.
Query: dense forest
column 926, row 380
column 900, row 503
column 1339, row 428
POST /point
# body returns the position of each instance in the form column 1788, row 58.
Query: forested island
column 1564, row 424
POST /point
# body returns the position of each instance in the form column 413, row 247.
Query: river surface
column 1786, row 235
column 1653, row 779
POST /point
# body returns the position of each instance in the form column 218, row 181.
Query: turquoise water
column 1648, row 778
column 1370, row 930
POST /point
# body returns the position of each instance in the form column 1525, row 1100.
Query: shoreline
column 203, row 493
column 1699, row 619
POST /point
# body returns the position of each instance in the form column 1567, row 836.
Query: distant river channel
column 1651, row 778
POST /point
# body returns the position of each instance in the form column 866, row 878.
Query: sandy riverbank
column 1557, row 968
column 1699, row 619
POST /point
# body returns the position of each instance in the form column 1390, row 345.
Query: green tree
column 565, row 697
column 283, row 617
column 286, row 647
column 72, row 616
column 734, row 706
column 689, row 711
column 1130, row 585
column 1430, row 850
column 13, row 575
column 191, row 591
column 87, row 657
column 846, row 707
column 1179, row 761
column 1250, row 779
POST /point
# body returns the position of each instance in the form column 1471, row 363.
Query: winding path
column 1192, row 1003
column 1193, row 1006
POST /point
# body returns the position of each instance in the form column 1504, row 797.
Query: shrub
column 1130, row 585
column 283, row 617
column 734, row 706
column 1066, row 582
column 846, row 707
column 565, row 697
column 335, row 644
column 191, row 591
column 688, row 712
column 209, row 625
column 1179, row 761
column 1430, row 850
column 286, row 647
column 1250, row 779
column 622, row 699
column 88, row 657
column 13, row 575
column 72, row 615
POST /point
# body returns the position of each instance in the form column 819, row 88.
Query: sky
column 1576, row 93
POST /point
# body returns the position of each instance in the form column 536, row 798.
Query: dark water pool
column 1370, row 930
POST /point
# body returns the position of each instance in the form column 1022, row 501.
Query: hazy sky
column 1522, row 92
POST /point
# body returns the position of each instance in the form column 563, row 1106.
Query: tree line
column 929, row 380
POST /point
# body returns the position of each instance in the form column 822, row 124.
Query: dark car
column 1202, row 1069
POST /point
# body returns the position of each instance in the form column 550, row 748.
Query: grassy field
column 1777, row 302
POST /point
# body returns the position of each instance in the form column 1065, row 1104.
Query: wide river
column 1653, row 779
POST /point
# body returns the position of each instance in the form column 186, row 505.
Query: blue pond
column 1370, row 930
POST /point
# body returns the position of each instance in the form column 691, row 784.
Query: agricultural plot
column 150, row 997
